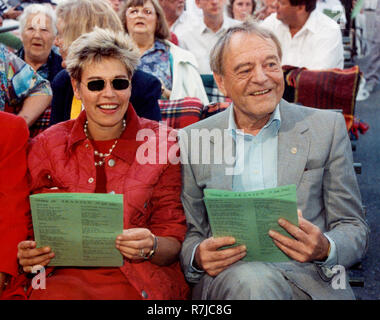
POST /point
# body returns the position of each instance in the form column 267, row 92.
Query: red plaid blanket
column 182, row 112
column 324, row 89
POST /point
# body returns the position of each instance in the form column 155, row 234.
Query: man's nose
column 259, row 75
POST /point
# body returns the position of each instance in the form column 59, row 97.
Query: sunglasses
column 117, row 84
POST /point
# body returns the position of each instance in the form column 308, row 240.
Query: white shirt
column 318, row 45
column 199, row 40
column 183, row 22
column 334, row 6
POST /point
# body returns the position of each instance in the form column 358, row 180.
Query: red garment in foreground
column 89, row 283
column 86, row 284
column 62, row 159
column 14, row 190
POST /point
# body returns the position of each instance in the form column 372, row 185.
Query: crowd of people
column 88, row 77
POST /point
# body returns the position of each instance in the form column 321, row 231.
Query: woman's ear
column 75, row 84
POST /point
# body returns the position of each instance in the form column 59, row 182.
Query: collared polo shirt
column 256, row 156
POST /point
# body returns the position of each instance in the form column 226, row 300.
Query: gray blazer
column 314, row 152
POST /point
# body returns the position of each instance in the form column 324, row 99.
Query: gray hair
column 98, row 44
column 38, row 8
column 248, row 27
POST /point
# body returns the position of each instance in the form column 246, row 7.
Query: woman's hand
column 29, row 255
column 135, row 243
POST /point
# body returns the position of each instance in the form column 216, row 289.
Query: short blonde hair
column 98, row 44
column 162, row 29
column 81, row 16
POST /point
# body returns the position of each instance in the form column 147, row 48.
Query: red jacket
column 14, row 191
column 62, row 157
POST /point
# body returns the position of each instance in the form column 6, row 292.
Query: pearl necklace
column 99, row 154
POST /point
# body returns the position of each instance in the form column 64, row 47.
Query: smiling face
column 37, row 37
column 242, row 9
column 105, row 109
column 141, row 19
column 252, row 77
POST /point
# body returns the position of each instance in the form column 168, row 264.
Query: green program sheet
column 248, row 216
column 80, row 228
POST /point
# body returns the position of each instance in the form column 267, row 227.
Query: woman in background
column 74, row 18
column 241, row 9
column 144, row 21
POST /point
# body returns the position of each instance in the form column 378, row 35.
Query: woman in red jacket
column 99, row 152
column 14, row 192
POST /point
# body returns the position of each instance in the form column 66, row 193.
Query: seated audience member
column 266, row 9
column 308, row 37
column 281, row 144
column 201, row 36
column 38, row 30
column 372, row 70
column 23, row 91
column 101, row 64
column 8, row 38
column 334, row 7
column 241, row 9
column 14, row 194
column 75, row 17
column 177, row 18
column 144, row 21
column 116, row 4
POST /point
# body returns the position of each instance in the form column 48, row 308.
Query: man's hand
column 29, row 255
column 214, row 261
column 12, row 13
column 309, row 244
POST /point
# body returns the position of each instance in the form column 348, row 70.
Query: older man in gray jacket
column 282, row 144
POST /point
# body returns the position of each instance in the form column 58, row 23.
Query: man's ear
column 220, row 83
column 75, row 84
column 301, row 8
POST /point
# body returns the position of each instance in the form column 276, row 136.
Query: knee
column 254, row 281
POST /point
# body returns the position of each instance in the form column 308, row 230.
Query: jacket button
column 91, row 180
column 144, row 294
column 111, row 162
column 145, row 205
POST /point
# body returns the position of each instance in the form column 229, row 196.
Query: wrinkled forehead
column 240, row 39
column 39, row 20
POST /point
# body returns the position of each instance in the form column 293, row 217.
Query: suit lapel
column 293, row 150
column 293, row 146
column 221, row 172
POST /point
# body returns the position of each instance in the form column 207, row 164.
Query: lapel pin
column 293, row 150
